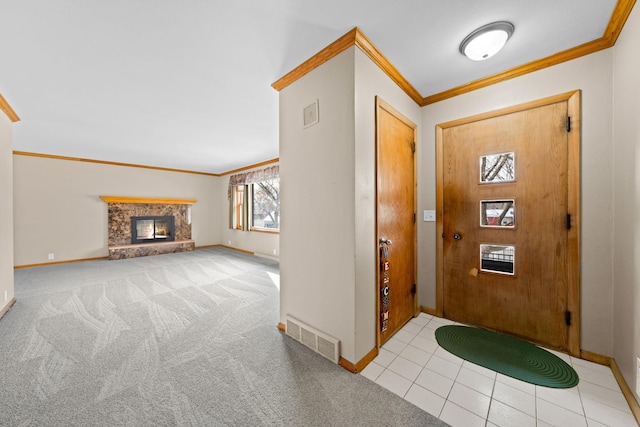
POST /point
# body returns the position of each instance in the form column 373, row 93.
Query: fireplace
column 152, row 229
column 165, row 226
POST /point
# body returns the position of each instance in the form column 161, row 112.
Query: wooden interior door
column 395, row 192
column 507, row 238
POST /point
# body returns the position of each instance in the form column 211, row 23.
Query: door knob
column 385, row 241
column 457, row 236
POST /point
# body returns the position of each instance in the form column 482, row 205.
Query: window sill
column 265, row 230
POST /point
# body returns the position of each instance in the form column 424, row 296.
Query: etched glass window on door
column 496, row 168
column 498, row 213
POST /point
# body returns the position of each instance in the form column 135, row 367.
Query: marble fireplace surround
column 121, row 209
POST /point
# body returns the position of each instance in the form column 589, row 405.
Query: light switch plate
column 429, row 216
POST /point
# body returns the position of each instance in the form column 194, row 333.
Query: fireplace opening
column 149, row 229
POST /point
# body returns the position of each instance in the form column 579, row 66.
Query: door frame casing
column 573, row 193
column 382, row 105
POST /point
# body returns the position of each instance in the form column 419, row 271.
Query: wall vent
column 319, row 342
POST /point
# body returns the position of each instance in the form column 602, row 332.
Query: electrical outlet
column 52, row 256
column 274, row 252
column 6, row 296
column 429, row 216
column 229, row 242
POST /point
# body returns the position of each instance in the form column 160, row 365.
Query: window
column 254, row 200
column 239, row 207
column 498, row 213
column 496, row 168
column 497, row 259
column 265, row 204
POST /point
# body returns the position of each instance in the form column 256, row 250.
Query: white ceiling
column 186, row 84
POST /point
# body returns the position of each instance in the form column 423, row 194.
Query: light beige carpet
column 184, row 339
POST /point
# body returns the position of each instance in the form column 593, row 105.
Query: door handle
column 457, row 236
column 384, row 241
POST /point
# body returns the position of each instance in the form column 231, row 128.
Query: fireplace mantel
column 153, row 200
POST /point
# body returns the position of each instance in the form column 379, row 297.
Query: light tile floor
column 412, row 365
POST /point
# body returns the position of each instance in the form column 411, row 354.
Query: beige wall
column 370, row 82
column 317, row 270
column 261, row 244
column 57, row 208
column 328, row 241
column 594, row 76
column 6, row 212
column 626, row 200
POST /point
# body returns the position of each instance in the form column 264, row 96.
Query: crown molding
column 614, row 28
column 356, row 37
column 618, row 19
column 104, row 162
column 567, row 55
column 385, row 65
column 131, row 165
column 338, row 46
column 256, row 165
column 6, row 108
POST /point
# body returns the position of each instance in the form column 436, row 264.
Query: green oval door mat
column 507, row 355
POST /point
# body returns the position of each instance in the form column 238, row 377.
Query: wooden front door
column 509, row 222
column 395, row 173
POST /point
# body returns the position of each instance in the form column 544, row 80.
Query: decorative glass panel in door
column 498, row 213
column 498, row 168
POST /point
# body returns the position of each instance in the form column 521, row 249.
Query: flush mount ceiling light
column 486, row 41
